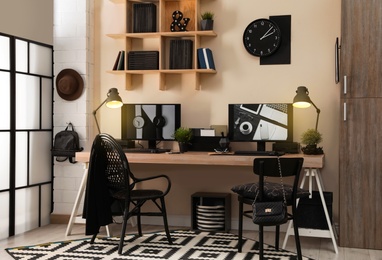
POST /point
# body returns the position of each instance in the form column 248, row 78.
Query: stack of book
column 119, row 63
column 181, row 54
column 143, row 60
column 205, row 59
column 145, row 18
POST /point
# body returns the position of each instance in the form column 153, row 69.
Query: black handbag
column 66, row 144
column 270, row 213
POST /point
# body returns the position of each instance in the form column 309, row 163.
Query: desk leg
column 74, row 218
column 313, row 173
column 318, row 180
column 80, row 193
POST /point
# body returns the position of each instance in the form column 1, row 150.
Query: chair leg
column 139, row 223
column 93, row 238
column 167, row 230
column 297, row 239
column 296, row 234
column 240, row 235
column 277, row 238
column 123, row 231
column 261, row 242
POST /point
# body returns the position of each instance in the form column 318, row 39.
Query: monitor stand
column 153, row 147
column 152, row 144
column 261, row 146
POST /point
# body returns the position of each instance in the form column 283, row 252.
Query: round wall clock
column 262, row 37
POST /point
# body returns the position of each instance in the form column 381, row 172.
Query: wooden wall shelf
column 190, row 9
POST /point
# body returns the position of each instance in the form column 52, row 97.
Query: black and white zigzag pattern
column 188, row 245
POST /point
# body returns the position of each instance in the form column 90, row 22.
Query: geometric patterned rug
column 187, row 245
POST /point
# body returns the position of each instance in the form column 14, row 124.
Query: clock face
column 138, row 122
column 262, row 37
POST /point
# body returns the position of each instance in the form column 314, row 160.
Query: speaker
column 126, row 143
column 286, row 147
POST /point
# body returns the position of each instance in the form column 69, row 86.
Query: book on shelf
column 143, row 60
column 121, row 61
column 145, row 16
column 205, row 59
column 115, row 67
column 181, row 54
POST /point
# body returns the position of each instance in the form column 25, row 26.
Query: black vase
column 206, row 25
column 183, row 147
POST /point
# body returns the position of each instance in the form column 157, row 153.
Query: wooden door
column 361, row 47
column 361, row 125
column 360, row 174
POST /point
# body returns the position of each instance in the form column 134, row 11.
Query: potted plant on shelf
column 183, row 136
column 207, row 22
column 311, row 138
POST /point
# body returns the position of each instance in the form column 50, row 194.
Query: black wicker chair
column 271, row 191
column 110, row 181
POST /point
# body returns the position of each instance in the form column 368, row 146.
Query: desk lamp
column 113, row 100
column 302, row 100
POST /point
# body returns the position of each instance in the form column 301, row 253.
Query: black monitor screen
column 151, row 122
column 260, row 122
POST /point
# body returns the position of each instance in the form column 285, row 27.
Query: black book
column 121, row 61
column 181, row 54
column 144, row 18
column 115, row 67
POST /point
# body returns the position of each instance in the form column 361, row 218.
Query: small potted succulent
column 311, row 138
column 183, row 136
column 207, row 22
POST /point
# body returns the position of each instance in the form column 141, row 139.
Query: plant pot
column 183, row 147
column 206, row 25
column 312, row 149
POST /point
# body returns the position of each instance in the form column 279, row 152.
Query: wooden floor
column 316, row 248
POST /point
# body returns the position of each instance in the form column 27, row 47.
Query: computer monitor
column 261, row 123
column 150, row 122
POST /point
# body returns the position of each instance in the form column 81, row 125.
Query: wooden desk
column 312, row 165
column 202, row 158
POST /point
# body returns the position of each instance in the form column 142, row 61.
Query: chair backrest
column 107, row 156
column 290, row 167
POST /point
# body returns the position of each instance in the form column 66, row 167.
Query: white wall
column 240, row 78
column 74, row 49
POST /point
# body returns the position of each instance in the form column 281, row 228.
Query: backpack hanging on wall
column 66, row 144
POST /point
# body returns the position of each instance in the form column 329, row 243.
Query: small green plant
column 311, row 137
column 208, row 15
column 183, row 135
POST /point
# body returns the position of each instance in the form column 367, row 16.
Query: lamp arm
column 95, row 117
column 318, row 113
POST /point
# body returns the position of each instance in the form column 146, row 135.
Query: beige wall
column 32, row 20
column 239, row 78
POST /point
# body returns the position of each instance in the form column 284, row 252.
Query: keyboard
column 145, row 150
column 259, row 153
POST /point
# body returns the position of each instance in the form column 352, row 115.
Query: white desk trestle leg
column 74, row 218
column 313, row 173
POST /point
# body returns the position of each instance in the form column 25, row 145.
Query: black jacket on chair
column 97, row 204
